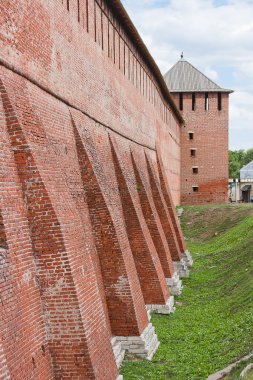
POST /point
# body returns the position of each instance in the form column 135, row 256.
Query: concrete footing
column 168, row 308
column 143, row 346
column 181, row 268
column 175, row 284
column 119, row 352
column 148, row 312
column 187, row 258
column 120, row 377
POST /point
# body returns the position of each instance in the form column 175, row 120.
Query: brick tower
column 204, row 136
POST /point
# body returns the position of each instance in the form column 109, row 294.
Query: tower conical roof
column 184, row 77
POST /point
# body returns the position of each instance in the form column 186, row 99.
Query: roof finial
column 182, row 55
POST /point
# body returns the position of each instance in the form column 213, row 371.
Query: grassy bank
column 212, row 325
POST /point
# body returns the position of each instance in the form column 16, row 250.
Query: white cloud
column 216, row 37
column 246, row 69
column 241, row 111
column 210, row 73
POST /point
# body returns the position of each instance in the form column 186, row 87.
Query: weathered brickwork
column 169, row 204
column 90, row 174
column 210, row 141
column 111, row 82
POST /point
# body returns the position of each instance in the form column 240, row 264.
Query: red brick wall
column 81, row 118
column 65, row 169
column 43, row 154
column 210, row 140
column 109, row 81
column 21, row 309
column 4, row 372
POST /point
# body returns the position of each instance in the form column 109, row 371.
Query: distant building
column 247, row 171
column 246, row 183
column 204, row 136
column 234, row 190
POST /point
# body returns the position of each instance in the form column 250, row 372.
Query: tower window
column 193, row 101
column 206, row 101
column 219, row 101
column 195, row 169
column 193, row 152
column 191, row 135
column 195, row 189
column 181, row 105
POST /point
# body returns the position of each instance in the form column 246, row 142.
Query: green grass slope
column 213, row 322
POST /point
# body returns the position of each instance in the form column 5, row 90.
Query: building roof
column 246, row 188
column 247, row 171
column 121, row 13
column 184, row 77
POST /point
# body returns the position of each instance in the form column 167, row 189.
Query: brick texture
column 210, row 139
column 87, row 219
column 63, row 309
column 147, row 262
column 150, row 214
column 104, row 77
column 163, row 213
column 124, row 297
column 169, row 203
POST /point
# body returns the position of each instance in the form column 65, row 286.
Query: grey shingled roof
column 184, row 77
column 247, row 171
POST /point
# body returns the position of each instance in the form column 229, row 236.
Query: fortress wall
column 77, row 182
column 84, row 247
column 99, row 71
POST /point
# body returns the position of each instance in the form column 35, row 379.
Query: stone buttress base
column 168, row 308
column 143, row 346
column 181, row 268
column 119, row 352
column 175, row 284
column 187, row 258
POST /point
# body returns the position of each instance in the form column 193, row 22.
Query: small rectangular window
column 195, row 170
column 219, row 101
column 191, row 135
column 193, row 152
column 181, row 101
column 206, row 101
column 78, row 10
column 195, row 189
column 68, row 5
column 193, row 101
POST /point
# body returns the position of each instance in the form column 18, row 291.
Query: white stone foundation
column 120, row 377
column 175, row 284
column 143, row 346
column 168, row 308
column 187, row 258
column 148, row 312
column 181, row 268
column 119, row 352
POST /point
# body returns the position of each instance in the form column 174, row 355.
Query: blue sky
column 216, row 36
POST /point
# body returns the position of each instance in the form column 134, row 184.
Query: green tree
column 238, row 159
column 248, row 156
